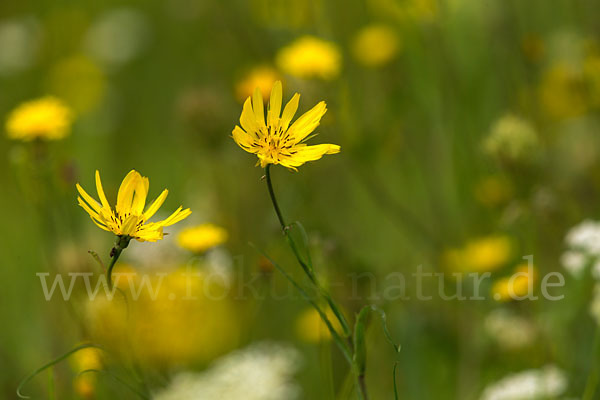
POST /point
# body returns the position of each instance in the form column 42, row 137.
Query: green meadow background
column 408, row 185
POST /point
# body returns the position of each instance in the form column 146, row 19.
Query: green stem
column 359, row 377
column 120, row 244
column 273, row 199
column 592, row 380
column 306, row 267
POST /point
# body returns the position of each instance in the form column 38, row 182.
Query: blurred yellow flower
column 202, row 237
column 311, row 328
column 310, row 57
column 85, row 385
column 276, row 142
column 516, row 285
column 181, row 318
column 84, row 360
column 479, row 255
column 562, row 91
column 129, row 217
column 261, row 77
column 375, row 45
column 46, row 118
column 511, row 138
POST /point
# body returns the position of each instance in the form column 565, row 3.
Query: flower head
column 202, row 237
column 276, row 142
column 262, row 77
column 511, row 138
column 45, row 118
column 375, row 45
column 262, row 371
column 483, row 254
column 517, row 285
column 129, row 217
column 310, row 57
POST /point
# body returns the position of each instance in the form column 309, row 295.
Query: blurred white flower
column 574, row 262
column 511, row 138
column 19, row 44
column 117, row 37
column 509, row 330
column 534, row 384
column 586, row 237
column 263, row 371
column 583, row 242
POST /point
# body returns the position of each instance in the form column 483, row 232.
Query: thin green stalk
column 346, row 351
column 120, row 244
column 592, row 380
column 49, row 365
column 361, row 389
column 306, row 267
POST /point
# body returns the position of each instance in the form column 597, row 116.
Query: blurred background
column 470, row 135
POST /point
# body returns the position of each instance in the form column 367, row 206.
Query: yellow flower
column 310, row 57
column 516, row 285
column 375, row 45
column 276, row 142
column 262, row 77
column 45, row 118
column 129, row 217
column 180, row 318
column 479, row 255
column 202, row 237
column 85, row 360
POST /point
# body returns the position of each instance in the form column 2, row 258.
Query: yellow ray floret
column 276, row 142
column 129, row 217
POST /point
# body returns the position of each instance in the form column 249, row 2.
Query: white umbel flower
column 263, row 371
column 548, row 382
column 510, row 330
column 583, row 242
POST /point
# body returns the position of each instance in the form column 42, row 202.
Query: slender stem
column 592, row 380
column 361, row 389
column 120, row 244
column 273, row 199
column 306, row 267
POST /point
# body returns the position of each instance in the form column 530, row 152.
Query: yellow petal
column 248, row 119
column 274, row 104
column 308, row 153
column 100, row 191
column 155, row 205
column 244, row 140
column 89, row 199
column 258, row 107
column 87, row 208
column 289, row 111
column 177, row 216
column 307, row 123
column 150, row 233
column 125, row 195
column 140, row 192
